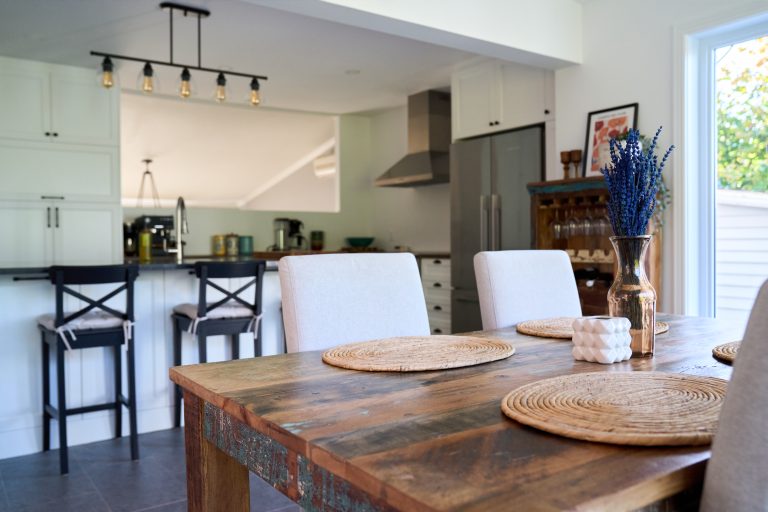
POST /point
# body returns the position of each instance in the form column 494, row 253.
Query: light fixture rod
column 170, row 14
column 199, row 38
column 175, row 65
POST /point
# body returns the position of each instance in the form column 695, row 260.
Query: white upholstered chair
column 330, row 299
column 736, row 473
column 524, row 285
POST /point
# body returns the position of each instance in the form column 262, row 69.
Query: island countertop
column 169, row 262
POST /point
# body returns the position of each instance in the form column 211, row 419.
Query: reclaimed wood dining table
column 336, row 439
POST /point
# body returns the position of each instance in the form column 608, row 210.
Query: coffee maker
column 296, row 239
column 161, row 227
column 288, row 234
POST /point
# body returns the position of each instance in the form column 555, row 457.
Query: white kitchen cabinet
column 56, row 104
column 475, row 100
column 493, row 96
column 527, row 96
column 26, row 238
column 87, row 234
column 24, row 100
column 42, row 233
column 34, row 170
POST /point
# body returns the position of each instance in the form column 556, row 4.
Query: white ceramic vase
column 601, row 339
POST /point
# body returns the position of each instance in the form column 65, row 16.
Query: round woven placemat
column 417, row 353
column 628, row 408
column 726, row 352
column 560, row 327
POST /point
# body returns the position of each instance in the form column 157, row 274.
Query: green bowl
column 360, row 241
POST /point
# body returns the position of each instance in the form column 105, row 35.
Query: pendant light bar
column 180, row 66
column 107, row 66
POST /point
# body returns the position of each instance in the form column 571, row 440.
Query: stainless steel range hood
column 429, row 138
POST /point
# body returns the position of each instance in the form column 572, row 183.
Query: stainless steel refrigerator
column 490, row 207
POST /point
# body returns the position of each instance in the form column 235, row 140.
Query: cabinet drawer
column 438, row 307
column 437, row 295
column 440, row 326
column 435, row 284
column 439, row 317
column 436, row 269
column 31, row 170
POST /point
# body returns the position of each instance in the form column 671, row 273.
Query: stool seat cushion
column 228, row 310
column 92, row 320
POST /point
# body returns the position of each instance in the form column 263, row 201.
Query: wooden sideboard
column 570, row 215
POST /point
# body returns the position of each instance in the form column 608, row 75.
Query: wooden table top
column 438, row 440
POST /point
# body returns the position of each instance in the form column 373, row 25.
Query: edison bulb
column 107, row 80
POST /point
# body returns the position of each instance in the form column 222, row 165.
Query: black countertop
column 157, row 263
column 169, row 263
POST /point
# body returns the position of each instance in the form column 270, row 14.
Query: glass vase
column 631, row 294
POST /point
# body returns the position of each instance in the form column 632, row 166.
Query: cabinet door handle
column 483, row 223
column 437, row 285
column 437, row 262
column 437, row 330
column 47, row 134
column 57, row 216
column 61, row 198
column 49, row 216
column 56, row 134
column 438, row 308
column 495, row 222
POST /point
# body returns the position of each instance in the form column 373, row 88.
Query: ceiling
column 313, row 65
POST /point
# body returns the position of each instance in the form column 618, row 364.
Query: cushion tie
column 62, row 331
column 253, row 326
column 128, row 330
column 193, row 325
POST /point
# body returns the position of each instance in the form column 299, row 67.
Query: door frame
column 694, row 130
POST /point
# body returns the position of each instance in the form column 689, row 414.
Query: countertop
column 169, row 262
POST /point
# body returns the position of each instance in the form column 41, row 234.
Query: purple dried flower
column 633, row 178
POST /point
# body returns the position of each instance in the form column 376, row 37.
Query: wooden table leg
column 215, row 481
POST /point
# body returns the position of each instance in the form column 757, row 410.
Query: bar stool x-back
column 94, row 325
column 232, row 315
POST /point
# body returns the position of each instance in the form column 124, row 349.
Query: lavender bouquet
column 633, row 178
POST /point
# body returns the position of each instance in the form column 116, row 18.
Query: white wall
column 627, row 58
column 353, row 218
column 416, row 217
column 221, row 154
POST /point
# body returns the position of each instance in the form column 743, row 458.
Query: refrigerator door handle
column 495, row 222
column 484, row 223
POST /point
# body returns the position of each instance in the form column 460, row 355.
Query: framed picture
column 602, row 126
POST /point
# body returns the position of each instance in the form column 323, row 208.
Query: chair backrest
column 331, row 299
column 736, row 473
column 62, row 277
column 208, row 270
column 514, row 286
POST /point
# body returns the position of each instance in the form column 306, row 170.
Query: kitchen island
column 26, row 293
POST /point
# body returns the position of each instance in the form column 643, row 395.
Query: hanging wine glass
column 556, row 226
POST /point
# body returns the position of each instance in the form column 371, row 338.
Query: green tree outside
column 742, row 116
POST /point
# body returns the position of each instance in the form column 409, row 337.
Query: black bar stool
column 231, row 315
column 95, row 325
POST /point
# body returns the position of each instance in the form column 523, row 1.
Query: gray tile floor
column 103, row 478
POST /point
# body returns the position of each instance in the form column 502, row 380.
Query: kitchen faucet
column 182, row 228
